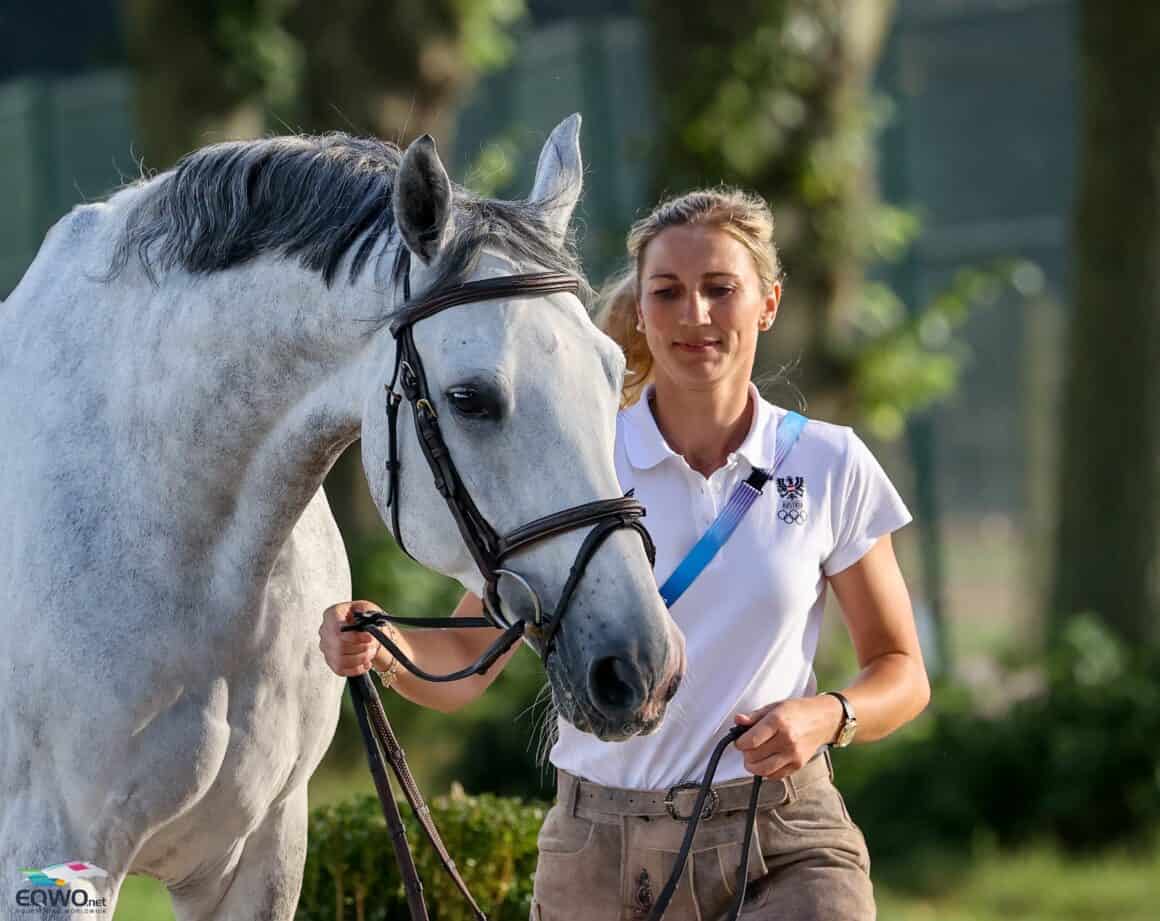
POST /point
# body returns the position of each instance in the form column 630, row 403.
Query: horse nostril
column 671, row 690
column 616, row 686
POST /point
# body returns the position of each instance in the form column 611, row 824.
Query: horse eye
column 470, row 402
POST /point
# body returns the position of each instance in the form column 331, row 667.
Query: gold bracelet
column 388, row 675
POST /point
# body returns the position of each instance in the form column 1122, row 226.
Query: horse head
column 525, row 390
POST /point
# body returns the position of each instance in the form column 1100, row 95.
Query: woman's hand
column 785, row 735
column 353, row 652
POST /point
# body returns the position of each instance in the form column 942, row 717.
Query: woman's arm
column 891, row 689
column 436, row 651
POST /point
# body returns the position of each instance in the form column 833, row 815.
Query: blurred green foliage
column 351, row 870
column 1033, row 884
column 1077, row 763
column 210, row 69
column 903, row 360
column 483, row 26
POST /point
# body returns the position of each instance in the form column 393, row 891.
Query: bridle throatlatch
column 489, row 549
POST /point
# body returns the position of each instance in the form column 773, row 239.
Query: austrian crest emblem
column 792, row 505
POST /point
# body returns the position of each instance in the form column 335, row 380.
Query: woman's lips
column 697, row 348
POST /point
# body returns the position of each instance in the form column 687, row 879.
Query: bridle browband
column 488, row 548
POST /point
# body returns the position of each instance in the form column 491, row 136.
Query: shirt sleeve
column 866, row 507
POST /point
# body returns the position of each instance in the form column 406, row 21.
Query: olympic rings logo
column 791, row 515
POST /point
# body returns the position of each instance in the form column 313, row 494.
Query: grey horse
column 180, row 367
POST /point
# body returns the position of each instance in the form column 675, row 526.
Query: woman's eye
column 470, row 402
column 721, row 290
column 665, row 293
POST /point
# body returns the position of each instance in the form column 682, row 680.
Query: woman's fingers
column 773, row 768
column 353, row 658
column 351, row 652
column 350, row 664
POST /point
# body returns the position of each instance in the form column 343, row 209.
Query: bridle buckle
column 710, row 807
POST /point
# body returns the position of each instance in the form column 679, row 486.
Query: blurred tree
column 394, row 69
column 1108, row 543
column 205, row 70
column 774, row 95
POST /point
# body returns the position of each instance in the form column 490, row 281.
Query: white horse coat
column 167, row 550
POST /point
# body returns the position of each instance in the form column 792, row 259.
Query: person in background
column 702, row 283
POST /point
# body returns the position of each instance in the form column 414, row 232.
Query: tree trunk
column 371, row 68
column 1108, row 543
column 191, row 88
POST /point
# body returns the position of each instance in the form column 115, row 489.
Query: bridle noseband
column 488, row 548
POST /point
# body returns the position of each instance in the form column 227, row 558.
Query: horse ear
column 560, row 175
column 422, row 200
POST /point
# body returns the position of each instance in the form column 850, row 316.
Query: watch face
column 847, row 733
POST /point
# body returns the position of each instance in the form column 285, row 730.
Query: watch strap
column 849, row 721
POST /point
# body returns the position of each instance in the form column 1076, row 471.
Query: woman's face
column 702, row 306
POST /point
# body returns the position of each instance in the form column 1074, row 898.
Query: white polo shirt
column 751, row 619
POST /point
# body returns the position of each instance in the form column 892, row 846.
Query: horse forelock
column 316, row 199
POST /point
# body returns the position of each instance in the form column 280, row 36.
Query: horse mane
column 311, row 198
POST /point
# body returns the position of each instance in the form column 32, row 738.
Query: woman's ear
column 769, row 312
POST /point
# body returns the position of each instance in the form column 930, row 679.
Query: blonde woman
column 702, row 284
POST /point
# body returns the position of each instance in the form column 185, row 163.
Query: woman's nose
column 695, row 311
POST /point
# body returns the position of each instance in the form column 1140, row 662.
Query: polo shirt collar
column 646, row 446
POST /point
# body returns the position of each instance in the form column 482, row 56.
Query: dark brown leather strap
column 361, row 691
column 568, row 520
column 489, row 549
column 529, row 284
column 706, row 787
column 370, row 621
column 381, row 740
column 398, row 761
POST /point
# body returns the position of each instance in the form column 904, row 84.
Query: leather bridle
column 489, row 549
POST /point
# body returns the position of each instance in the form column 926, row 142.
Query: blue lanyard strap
column 743, row 497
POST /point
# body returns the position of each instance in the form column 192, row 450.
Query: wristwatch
column 849, row 724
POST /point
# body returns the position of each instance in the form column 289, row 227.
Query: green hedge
column 1078, row 764
column 351, row 871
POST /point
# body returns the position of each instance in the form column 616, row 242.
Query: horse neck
column 261, row 377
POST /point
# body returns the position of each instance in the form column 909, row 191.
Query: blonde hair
column 744, row 216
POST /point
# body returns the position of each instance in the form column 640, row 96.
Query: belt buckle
column 711, row 803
